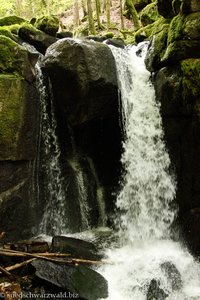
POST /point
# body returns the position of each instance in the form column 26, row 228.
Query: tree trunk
column 131, row 8
column 84, row 8
column 90, row 18
column 97, row 2
column 76, row 13
column 108, row 13
column 122, row 18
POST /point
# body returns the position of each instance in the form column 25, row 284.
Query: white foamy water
column 149, row 265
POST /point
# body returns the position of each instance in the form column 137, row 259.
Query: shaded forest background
column 83, row 17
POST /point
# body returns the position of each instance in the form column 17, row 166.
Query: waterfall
column 147, row 264
column 64, row 210
column 54, row 220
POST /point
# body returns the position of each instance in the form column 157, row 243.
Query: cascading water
column 54, row 219
column 148, row 265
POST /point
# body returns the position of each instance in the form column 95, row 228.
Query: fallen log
column 19, row 265
column 13, row 253
column 68, row 261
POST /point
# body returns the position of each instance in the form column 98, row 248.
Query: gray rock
column 83, row 77
column 79, row 280
column 78, row 248
column 173, row 275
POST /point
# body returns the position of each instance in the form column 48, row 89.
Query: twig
column 7, row 273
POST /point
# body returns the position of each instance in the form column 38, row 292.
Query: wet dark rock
column 165, row 8
column 191, row 229
column 95, row 38
column 64, row 34
column 83, row 77
column 173, row 275
column 48, row 24
column 155, row 292
column 80, row 280
column 78, row 248
column 119, row 43
column 40, row 40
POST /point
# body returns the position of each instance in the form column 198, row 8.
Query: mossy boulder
column 16, row 129
column 183, row 41
column 190, row 6
column 157, row 49
column 150, row 30
column 48, row 24
column 149, row 14
column 4, row 31
column 15, row 59
column 6, row 21
column 40, row 40
column 191, row 80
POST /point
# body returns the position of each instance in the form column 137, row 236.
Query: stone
column 80, row 281
column 83, row 76
column 155, row 292
column 173, row 275
column 18, row 119
column 165, row 8
column 15, row 59
column 40, row 40
column 140, row 4
column 190, row 6
column 119, row 43
column 64, row 34
column 76, row 247
column 149, row 14
column 48, row 24
column 10, row 20
column 191, row 227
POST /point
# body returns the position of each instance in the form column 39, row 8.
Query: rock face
column 19, row 117
column 84, row 85
column 83, row 77
column 174, row 57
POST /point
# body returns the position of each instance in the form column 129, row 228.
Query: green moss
column 108, row 35
column 29, row 28
column 6, row 21
column 48, row 24
column 191, row 78
column 176, row 29
column 149, row 14
column 11, row 104
column 182, row 49
column 147, row 32
column 191, row 28
column 12, row 56
column 4, row 31
column 13, row 28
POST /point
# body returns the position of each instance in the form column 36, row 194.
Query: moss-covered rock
column 148, row 31
column 48, row 24
column 176, row 29
column 4, row 31
column 149, row 14
column 6, row 21
column 190, row 6
column 180, row 50
column 191, row 28
column 40, row 40
column 157, row 49
column 191, row 79
column 14, row 59
column 17, row 132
